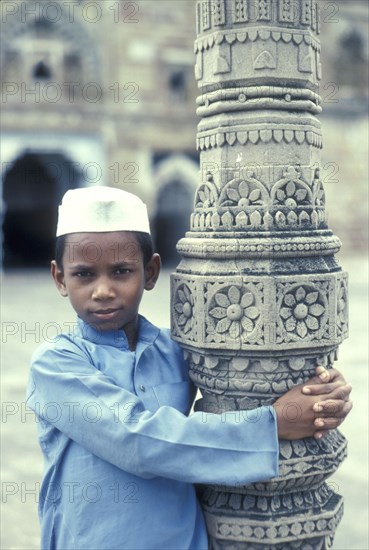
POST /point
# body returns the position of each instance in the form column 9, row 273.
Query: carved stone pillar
column 258, row 299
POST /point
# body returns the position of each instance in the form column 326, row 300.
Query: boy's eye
column 83, row 273
column 121, row 270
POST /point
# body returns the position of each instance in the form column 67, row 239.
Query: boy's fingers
column 323, row 374
column 340, row 390
column 329, row 375
column 327, row 423
column 333, row 408
column 317, row 389
column 336, row 376
column 319, row 434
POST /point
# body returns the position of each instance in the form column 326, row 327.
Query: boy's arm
column 231, row 448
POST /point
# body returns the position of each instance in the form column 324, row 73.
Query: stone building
column 104, row 93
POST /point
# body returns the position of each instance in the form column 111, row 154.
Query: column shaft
column 258, row 299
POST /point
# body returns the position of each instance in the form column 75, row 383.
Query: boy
column 112, row 398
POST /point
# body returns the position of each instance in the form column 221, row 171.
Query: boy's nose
column 103, row 290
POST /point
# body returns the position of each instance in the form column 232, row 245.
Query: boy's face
column 104, row 277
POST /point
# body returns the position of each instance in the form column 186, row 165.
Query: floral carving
column 241, row 193
column 205, row 216
column 183, row 305
column 246, row 202
column 342, row 309
column 206, row 194
column 235, row 313
column 319, row 195
column 301, row 311
column 291, row 191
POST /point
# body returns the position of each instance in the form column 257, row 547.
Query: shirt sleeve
column 110, row 422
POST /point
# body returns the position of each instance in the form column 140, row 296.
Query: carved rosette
column 233, row 313
column 258, row 300
column 184, row 317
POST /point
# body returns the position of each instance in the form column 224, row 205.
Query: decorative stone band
column 204, row 43
column 253, row 369
column 230, row 136
column 260, row 312
column 282, row 217
column 248, row 201
column 256, row 198
column 306, row 527
column 279, row 504
column 235, row 246
column 254, row 97
column 219, row 13
column 313, row 543
column 228, row 58
column 274, row 126
column 250, row 380
column 252, row 93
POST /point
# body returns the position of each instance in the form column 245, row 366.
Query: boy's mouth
column 105, row 313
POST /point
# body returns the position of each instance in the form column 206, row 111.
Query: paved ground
column 32, row 310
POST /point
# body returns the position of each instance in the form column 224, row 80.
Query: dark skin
column 104, row 276
column 315, row 407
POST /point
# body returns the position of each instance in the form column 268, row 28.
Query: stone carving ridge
column 254, row 136
column 254, row 34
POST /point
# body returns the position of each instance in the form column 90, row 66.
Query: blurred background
column 103, row 93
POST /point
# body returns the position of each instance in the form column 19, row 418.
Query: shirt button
column 142, row 387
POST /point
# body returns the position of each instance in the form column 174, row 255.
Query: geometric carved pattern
column 240, row 11
column 289, row 13
column 218, row 12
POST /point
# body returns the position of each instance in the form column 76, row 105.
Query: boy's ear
column 152, row 271
column 58, row 277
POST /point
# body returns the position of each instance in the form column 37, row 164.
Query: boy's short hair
column 144, row 240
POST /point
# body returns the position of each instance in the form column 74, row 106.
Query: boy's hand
column 322, row 402
column 328, row 383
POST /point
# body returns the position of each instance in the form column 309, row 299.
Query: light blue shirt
column 121, row 454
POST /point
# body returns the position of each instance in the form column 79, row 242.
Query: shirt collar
column 147, row 334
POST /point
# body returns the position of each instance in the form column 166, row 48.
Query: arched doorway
column 175, row 179
column 172, row 220
column 32, row 189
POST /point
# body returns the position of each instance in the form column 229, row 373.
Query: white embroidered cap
column 101, row 209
